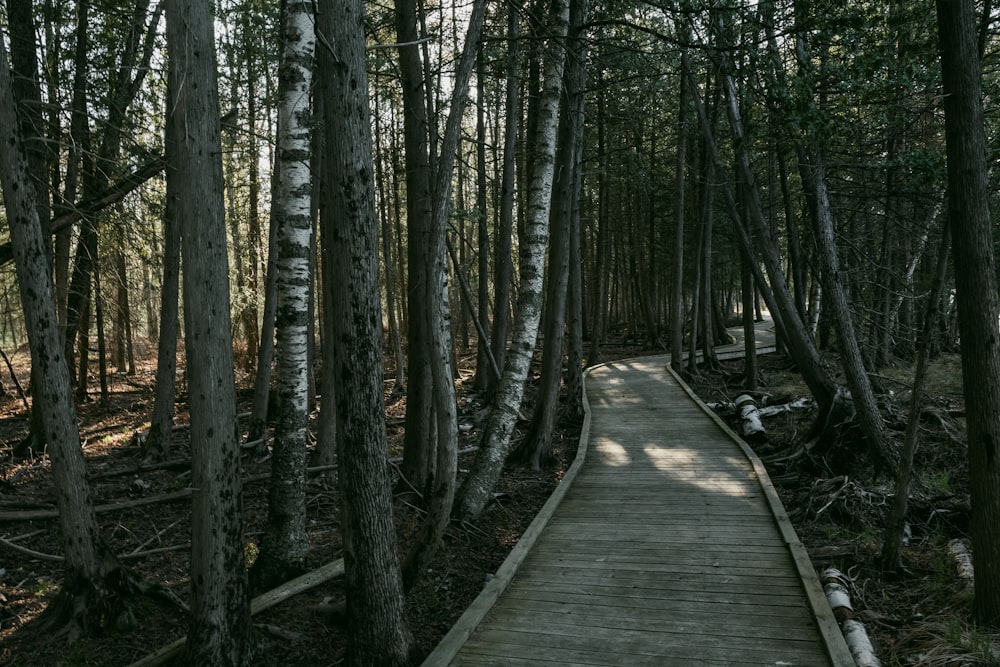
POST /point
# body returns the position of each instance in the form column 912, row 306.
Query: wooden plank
column 662, row 588
column 745, row 618
column 669, row 548
column 656, row 565
column 667, row 647
column 639, row 552
column 763, row 606
column 577, row 623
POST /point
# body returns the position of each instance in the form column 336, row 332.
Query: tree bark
column 975, row 280
column 503, row 266
column 265, row 354
column 482, row 478
column 86, row 600
column 680, row 188
column 285, row 544
column 418, row 447
column 161, row 423
column 537, row 444
column 376, row 624
column 220, row 628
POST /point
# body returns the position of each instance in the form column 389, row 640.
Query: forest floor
column 837, row 505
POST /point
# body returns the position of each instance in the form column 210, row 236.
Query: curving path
column 665, row 545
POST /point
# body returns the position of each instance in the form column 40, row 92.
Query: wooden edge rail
column 448, row 647
column 827, row 624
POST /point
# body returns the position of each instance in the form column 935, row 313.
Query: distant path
column 664, row 545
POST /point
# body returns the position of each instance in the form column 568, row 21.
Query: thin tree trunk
column 503, row 269
column 868, row 413
column 387, row 258
column 265, row 354
column 601, row 268
column 892, row 546
column 161, row 422
column 483, row 240
column 680, row 188
column 441, row 485
column 418, row 446
column 325, row 453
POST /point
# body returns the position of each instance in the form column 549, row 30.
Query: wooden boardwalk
column 665, row 545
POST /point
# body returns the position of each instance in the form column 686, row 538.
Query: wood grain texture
column 669, row 548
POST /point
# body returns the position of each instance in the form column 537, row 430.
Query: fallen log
column 962, row 556
column 258, row 604
column 799, row 404
column 751, row 427
column 835, row 585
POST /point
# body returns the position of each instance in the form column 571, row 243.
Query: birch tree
column 479, row 483
column 537, row 445
column 286, row 544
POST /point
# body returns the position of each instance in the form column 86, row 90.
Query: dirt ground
column 153, row 539
column 836, row 503
column 839, row 505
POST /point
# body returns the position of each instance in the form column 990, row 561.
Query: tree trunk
column 418, row 447
column 601, row 269
column 441, row 484
column 892, row 546
column 376, row 624
column 975, row 280
column 800, row 345
column 483, row 369
column 537, row 445
column 265, row 354
column 87, row 600
column 161, row 422
column 478, row 485
column 854, row 369
column 387, row 257
column 220, row 628
column 503, row 267
column 750, row 372
column 325, row 453
column 677, row 301
column 285, row 544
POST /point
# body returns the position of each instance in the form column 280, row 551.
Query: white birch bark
column 482, row 478
column 285, row 544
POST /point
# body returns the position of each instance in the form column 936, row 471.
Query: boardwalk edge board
column 448, row 647
column 839, row 654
